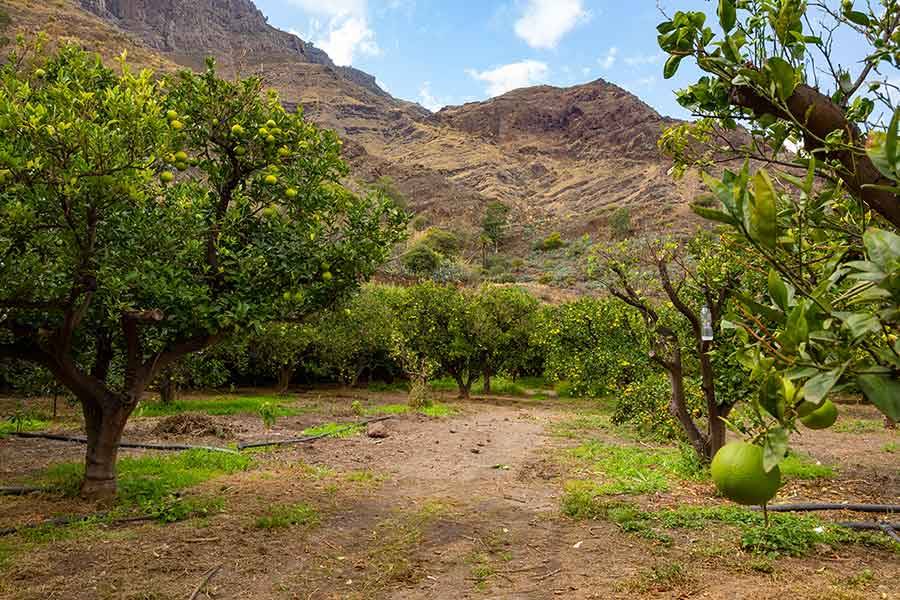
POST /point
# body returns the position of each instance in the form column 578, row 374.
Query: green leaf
column 883, row 248
column 727, row 15
column 883, row 391
column 860, row 324
column 714, row 215
column 671, row 66
column 771, row 398
column 817, row 388
column 778, row 290
column 854, row 16
column 783, row 76
column 763, row 225
column 759, row 309
column 775, row 448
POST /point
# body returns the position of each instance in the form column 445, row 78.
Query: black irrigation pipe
column 19, row 490
column 807, row 507
column 82, row 440
column 63, row 521
column 311, row 438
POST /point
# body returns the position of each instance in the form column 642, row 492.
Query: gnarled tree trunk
column 168, row 387
column 487, row 382
column 104, row 423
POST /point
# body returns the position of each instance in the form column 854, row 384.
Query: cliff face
column 563, row 159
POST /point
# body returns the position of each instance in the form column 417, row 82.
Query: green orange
column 737, row 470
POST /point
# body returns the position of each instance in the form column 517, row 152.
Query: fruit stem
column 765, row 508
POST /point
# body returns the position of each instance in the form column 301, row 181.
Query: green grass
column 435, row 410
column 500, row 386
column 858, row 426
column 150, row 480
column 637, row 470
column 890, row 447
column 581, row 424
column 282, row 517
column 799, row 466
column 786, row 535
column 10, row 425
column 661, row 577
column 331, row 429
column 223, row 405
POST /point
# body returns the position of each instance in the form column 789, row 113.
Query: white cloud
column 607, row 61
column 346, row 33
column 643, row 59
column 511, row 76
column 428, row 100
column 545, row 22
column 644, row 84
column 347, row 37
column 585, row 70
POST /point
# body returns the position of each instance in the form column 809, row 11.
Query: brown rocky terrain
column 563, row 159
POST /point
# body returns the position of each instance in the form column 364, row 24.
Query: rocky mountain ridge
column 562, row 159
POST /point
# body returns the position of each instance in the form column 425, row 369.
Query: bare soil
column 461, row 507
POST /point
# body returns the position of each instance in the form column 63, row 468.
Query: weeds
column 857, row 426
column 436, row 410
column 798, row 466
column 890, row 447
column 282, row 517
column 633, row 470
column 224, row 405
column 660, row 578
column 150, row 482
column 338, row 430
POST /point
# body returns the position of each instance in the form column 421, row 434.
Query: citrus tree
column 816, row 198
column 356, row 336
column 279, row 347
column 146, row 219
column 504, row 317
column 698, row 280
column 436, row 334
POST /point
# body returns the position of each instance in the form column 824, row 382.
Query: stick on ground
column 207, row 576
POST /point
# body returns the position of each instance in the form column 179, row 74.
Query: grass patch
column 500, row 386
column 224, row 405
column 16, row 424
column 800, row 466
column 436, row 410
column 890, row 447
column 786, row 535
column 282, row 517
column 659, row 578
column 481, row 569
column 581, row 424
column 331, row 429
column 636, row 470
column 858, row 426
column 150, row 481
column 365, row 477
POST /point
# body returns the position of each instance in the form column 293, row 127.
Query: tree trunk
column 716, row 431
column 464, row 387
column 678, row 409
column 104, row 423
column 285, row 374
column 168, row 387
column 487, row 382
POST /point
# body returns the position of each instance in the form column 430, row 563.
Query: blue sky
column 439, row 52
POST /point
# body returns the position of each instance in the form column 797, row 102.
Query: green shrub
column 421, row 260
column 553, row 241
column 645, row 405
column 620, row 222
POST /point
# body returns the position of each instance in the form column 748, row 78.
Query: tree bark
column 464, row 386
column 487, row 382
column 678, row 409
column 168, row 388
column 104, row 423
column 285, row 374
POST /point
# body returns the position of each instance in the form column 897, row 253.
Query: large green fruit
column 737, row 470
column 821, row 418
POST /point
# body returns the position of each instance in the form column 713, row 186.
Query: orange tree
column 147, row 219
column 816, row 199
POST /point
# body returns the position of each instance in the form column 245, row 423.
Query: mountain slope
column 563, row 159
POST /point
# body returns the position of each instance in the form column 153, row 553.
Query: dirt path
column 445, row 509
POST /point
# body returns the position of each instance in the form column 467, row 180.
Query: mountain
column 562, row 159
